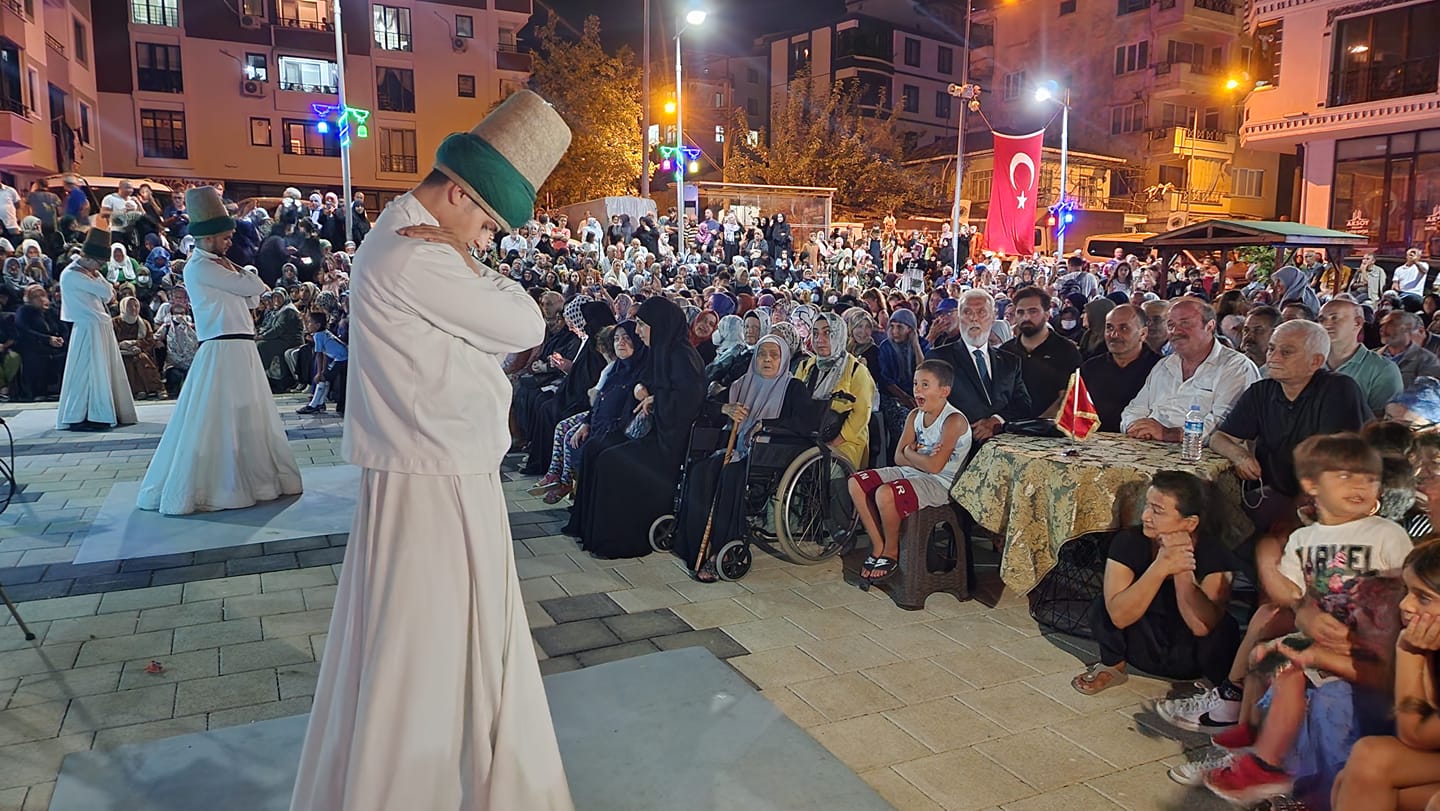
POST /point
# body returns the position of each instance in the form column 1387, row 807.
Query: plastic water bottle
column 1193, row 443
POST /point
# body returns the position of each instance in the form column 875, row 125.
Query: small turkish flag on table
column 1010, row 225
column 1078, row 419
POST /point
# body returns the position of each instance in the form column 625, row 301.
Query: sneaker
column 1239, row 736
column 1193, row 773
column 1246, row 783
column 1204, row 712
column 309, row 409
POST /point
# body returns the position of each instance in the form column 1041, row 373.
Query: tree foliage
column 598, row 95
column 823, row 135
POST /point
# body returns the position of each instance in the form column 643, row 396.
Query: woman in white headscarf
column 121, row 268
column 833, row 373
column 757, row 326
column 766, row 392
column 732, row 355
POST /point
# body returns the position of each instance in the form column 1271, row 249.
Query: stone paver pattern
column 964, row 705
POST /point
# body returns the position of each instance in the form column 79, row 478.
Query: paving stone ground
column 964, row 705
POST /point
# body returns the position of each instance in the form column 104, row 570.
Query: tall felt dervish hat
column 206, row 209
column 97, row 245
column 504, row 160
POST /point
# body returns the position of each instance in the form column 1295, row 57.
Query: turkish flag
column 1010, row 227
column 1077, row 414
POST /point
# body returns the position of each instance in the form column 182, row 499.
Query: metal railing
column 300, row 87
column 392, row 41
column 312, row 151
column 1197, row 68
column 305, row 25
column 398, row 163
column 1219, row 6
column 16, row 7
column 54, row 44
column 15, row 106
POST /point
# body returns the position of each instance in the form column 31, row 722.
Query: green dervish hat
column 507, row 157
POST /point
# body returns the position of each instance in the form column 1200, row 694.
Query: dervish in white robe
column 225, row 446
column 429, row 694
column 94, row 388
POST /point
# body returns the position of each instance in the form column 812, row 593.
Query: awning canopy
column 1223, row 234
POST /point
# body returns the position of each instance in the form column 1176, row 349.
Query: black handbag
column 1061, row 601
column 1035, row 427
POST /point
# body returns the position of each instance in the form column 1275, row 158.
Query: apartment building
column 224, row 90
column 48, row 102
column 1354, row 88
column 1148, row 84
column 905, row 58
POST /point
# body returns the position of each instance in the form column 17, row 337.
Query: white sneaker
column 1205, row 712
column 1193, row 773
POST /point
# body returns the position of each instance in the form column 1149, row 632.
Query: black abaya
column 573, row 396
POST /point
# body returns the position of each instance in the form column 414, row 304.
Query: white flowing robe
column 94, row 387
column 225, row 447
column 429, row 695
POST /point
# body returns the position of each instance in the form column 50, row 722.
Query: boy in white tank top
column 934, row 446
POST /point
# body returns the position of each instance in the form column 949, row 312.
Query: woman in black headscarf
column 573, row 396
column 625, row 484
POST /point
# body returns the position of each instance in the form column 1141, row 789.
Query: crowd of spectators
column 934, row 356
column 301, row 325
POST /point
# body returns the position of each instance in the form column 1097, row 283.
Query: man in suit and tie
column 988, row 386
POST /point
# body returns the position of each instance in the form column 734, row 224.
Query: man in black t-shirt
column 1115, row 377
column 1046, row 358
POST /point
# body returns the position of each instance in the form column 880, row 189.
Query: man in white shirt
column 1201, row 371
column 515, row 241
column 9, row 209
column 121, row 201
column 1409, row 278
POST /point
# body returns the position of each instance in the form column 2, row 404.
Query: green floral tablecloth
column 1038, row 492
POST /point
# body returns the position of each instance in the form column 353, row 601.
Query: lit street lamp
column 694, row 16
column 969, row 95
column 1049, row 92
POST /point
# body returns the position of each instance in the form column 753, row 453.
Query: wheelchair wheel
column 814, row 517
column 733, row 560
column 662, row 533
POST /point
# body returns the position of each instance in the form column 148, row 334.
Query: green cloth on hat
column 211, row 227
column 489, row 174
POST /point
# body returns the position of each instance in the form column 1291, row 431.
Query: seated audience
column 900, row 354
column 1398, row 331
column 137, row 349
column 1255, row 335
column 42, row 342
column 331, row 361
column 1114, row 377
column 1378, row 378
column 1046, row 358
column 988, row 387
column 833, row 373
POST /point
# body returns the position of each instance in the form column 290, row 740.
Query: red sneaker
column 1247, row 783
column 1239, row 736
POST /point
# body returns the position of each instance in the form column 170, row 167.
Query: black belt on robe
column 238, row 336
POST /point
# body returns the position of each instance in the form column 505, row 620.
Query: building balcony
column 13, row 21
column 512, row 60
column 1185, row 78
column 313, row 89
column 518, row 6
column 1200, row 143
column 310, row 35
column 17, row 130
column 399, row 164
column 1197, row 202
column 1217, row 16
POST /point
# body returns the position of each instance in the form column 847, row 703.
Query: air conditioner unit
column 459, row 44
column 249, row 22
column 1177, row 220
column 252, row 88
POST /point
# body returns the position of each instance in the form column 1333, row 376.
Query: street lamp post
column 1046, row 93
column 967, row 96
column 645, row 108
column 343, row 136
column 692, row 17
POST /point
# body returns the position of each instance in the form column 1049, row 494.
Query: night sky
column 732, row 26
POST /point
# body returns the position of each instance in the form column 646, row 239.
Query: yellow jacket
column 854, row 440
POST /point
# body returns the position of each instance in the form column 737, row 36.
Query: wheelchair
column 796, row 498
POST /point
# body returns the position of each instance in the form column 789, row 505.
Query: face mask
column 1067, row 325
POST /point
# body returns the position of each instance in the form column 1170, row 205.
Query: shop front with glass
column 1387, row 187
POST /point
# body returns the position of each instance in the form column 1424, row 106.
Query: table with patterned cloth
column 1039, row 492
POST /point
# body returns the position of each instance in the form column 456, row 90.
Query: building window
column 1180, row 51
column 1210, row 120
column 1127, row 118
column 942, row 105
column 157, row 68
column 162, row 134
column 395, row 89
column 912, row 52
column 1173, row 175
column 82, row 43
column 1177, row 115
column 1386, row 55
column 506, row 40
column 465, row 86
column 252, row 8
column 910, row 94
column 1067, row 7
column 719, row 134
column 85, row 123
column 155, row 12
column 312, row 15
column 718, row 100
column 260, row 132
column 1266, row 56
column 307, row 75
column 397, row 151
column 301, row 138
column 978, row 184
column 1133, row 57
column 1014, row 85
column 1387, row 188
column 799, row 55
column 752, row 108
column 1247, row 182
column 257, row 67
column 1131, row 6
column 945, row 61
column 392, row 28
column 464, row 26
column 752, row 76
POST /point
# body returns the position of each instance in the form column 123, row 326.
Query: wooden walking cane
column 710, row 521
